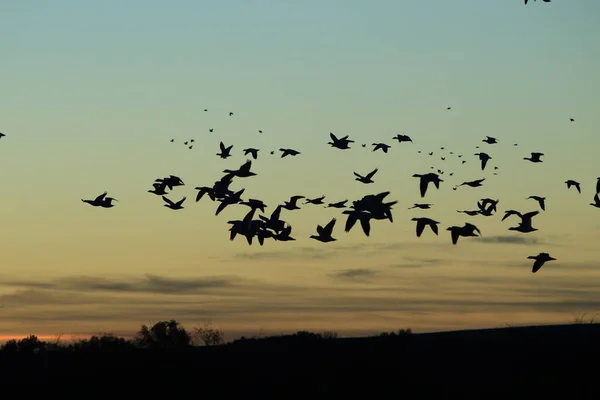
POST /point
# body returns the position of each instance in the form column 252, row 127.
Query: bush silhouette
column 164, row 335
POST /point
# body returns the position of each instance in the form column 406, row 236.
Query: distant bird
column 291, row 205
column 2, row 135
column 230, row 114
column 475, row 183
column 288, row 152
column 324, row 233
column 173, row 206
column 425, row 179
column 571, row 182
column 367, row 178
column 540, row 260
column 98, row 201
column 251, row 151
column 159, row 188
column 339, row 204
column 470, row 213
column 598, row 185
column 525, row 225
column 384, row 147
column 596, row 202
column 402, row 138
column 541, row 201
column 243, row 171
column 421, row 206
column 225, row 151
column 572, row 119
column 484, row 157
column 466, row 230
column 316, row 200
column 341, row 143
column 535, row 157
column 422, row 222
column 545, row 1
column 490, row 140
column 358, row 215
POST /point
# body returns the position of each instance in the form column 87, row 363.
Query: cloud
column 417, row 262
column 354, row 274
column 506, row 239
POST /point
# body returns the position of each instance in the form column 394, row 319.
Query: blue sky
column 93, row 92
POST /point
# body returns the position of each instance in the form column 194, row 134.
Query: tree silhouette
column 164, row 335
column 209, row 335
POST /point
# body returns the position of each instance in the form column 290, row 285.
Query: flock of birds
column 369, row 208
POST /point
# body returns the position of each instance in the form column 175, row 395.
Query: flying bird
column 173, row 206
column 324, row 233
column 251, row 151
column 571, row 182
column 535, row 157
column 225, row 151
column 423, row 222
column 484, row 157
column 367, row 178
column 381, row 146
column 541, row 201
column 540, row 260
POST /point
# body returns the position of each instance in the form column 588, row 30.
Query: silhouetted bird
column 466, row 230
column 571, row 182
column 525, row 225
column 475, row 183
column 421, row 206
column 425, row 179
column 596, row 202
column 324, row 233
column 288, row 152
column 535, row 157
column 484, row 157
column 367, row 178
column 358, row 215
column 225, row 151
column 341, row 143
column 316, row 200
column 339, row 204
column 98, row 201
column 291, row 205
column 172, row 205
column 381, row 146
column 423, row 222
column 541, row 201
column 490, row 140
column 159, row 188
column 251, row 151
column 243, row 171
column 402, row 138
column 540, row 260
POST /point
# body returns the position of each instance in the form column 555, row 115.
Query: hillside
column 471, row 361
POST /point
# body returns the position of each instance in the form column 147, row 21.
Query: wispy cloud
column 355, row 274
column 507, row 239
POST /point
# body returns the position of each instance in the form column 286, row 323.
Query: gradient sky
column 92, row 92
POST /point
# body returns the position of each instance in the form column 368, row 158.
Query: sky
column 93, row 92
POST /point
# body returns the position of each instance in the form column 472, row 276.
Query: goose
column 339, row 204
column 475, row 183
column 252, row 151
column 98, row 201
column 341, row 143
column 225, row 151
column 158, row 188
column 316, row 200
column 107, row 202
column 324, row 233
column 284, row 235
column 541, row 201
column 274, row 222
column 288, row 152
column 525, row 225
column 254, row 204
column 470, row 213
column 535, row 157
column 467, row 230
column 243, row 171
column 571, row 182
column 490, row 140
column 384, row 147
column 484, row 157
column 598, row 185
column 422, row 206
column 202, row 190
column 402, row 138
column 367, row 178
column 358, row 215
column 540, row 260
column 422, row 222
column 425, row 179
column 172, row 205
column 234, row 198
column 291, row 205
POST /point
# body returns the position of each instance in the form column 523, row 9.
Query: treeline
column 164, row 335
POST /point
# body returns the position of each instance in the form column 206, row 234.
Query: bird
column 475, row 183
column 571, row 182
column 316, row 200
column 596, row 202
column 2, row 135
column 341, row 143
column 384, row 147
column 358, row 215
column 490, row 140
column 324, row 233
column 367, row 178
column 484, row 157
column 424, row 206
column 251, row 151
column 425, row 179
column 540, row 260
column 525, row 225
column 225, row 151
column 173, row 206
column 288, row 152
column 535, row 157
column 466, row 230
column 243, row 171
column 545, row 1
column 158, row 188
column 339, row 204
column 598, row 185
column 402, row 138
column 98, row 201
column 291, row 204
column 107, row 202
column 422, row 222
column 541, row 201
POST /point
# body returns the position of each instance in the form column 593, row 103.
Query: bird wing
column 372, row 173
column 180, row 202
column 101, row 197
column 537, row 265
column 423, row 186
column 222, row 146
column 366, row 225
column 350, row 221
column 169, row 202
column 329, row 227
column 420, row 227
column 434, row 227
